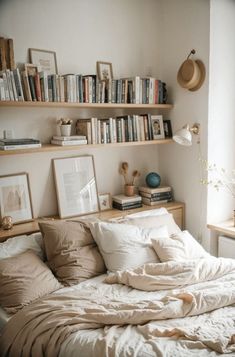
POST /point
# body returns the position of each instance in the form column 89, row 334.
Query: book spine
column 68, row 142
column 38, row 87
column 2, row 90
column 9, row 83
column 13, row 86
column 18, row 84
column 50, row 95
column 32, row 88
column 26, row 86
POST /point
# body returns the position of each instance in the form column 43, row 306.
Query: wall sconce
column 184, row 135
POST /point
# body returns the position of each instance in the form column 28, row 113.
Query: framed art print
column 104, row 70
column 45, row 60
column 75, row 186
column 167, row 128
column 15, row 198
column 157, row 127
column 105, row 201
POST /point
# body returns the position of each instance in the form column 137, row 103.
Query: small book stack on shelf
column 123, row 202
column 156, row 196
column 15, row 144
column 69, row 140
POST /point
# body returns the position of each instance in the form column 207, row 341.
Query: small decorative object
column 105, row 201
column 157, row 127
column 191, row 74
column 65, row 126
column 76, row 186
column 104, row 70
column 45, row 59
column 129, row 188
column 153, row 180
column 7, row 222
column 15, row 199
column 167, row 128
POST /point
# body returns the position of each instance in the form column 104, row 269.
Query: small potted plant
column 65, row 126
column 129, row 187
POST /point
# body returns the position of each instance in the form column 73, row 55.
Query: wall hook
column 192, row 52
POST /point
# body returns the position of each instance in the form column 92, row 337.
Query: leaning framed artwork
column 105, row 201
column 104, row 70
column 76, row 187
column 45, row 60
column 157, row 127
column 15, row 197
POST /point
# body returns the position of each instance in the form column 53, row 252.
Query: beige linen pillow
column 178, row 247
column 71, row 251
column 23, row 279
column 155, row 222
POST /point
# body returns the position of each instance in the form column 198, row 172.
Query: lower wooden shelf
column 176, row 208
column 52, row 148
column 226, row 228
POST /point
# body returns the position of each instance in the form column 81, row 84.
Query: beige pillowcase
column 71, row 251
column 23, row 279
column 155, row 222
column 179, row 247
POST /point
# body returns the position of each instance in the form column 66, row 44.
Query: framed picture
column 46, row 60
column 75, row 186
column 167, row 128
column 31, row 69
column 104, row 70
column 105, row 201
column 157, row 127
column 15, row 197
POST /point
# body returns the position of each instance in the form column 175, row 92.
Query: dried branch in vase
column 124, row 172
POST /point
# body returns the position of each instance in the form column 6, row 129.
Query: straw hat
column 191, row 74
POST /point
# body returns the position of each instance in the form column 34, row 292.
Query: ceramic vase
column 129, row 190
column 65, row 130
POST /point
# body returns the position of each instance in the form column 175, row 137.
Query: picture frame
column 31, row 69
column 44, row 59
column 105, row 201
column 104, row 70
column 167, row 128
column 157, row 127
column 15, row 197
column 76, row 187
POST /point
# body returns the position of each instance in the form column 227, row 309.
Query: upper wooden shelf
column 83, row 105
column 50, row 148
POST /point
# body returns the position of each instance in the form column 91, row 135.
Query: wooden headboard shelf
column 176, row 208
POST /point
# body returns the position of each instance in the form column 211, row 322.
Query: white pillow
column 178, row 247
column 148, row 213
column 124, row 246
column 155, row 222
column 17, row 245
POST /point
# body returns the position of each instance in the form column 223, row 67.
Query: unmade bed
column 167, row 307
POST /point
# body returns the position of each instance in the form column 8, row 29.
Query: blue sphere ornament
column 153, row 180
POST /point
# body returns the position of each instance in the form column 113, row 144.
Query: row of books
column 156, row 196
column 22, row 143
column 76, row 88
column 126, row 128
column 123, row 202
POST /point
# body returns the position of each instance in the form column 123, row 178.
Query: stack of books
column 69, row 140
column 123, row 202
column 15, row 144
column 156, row 196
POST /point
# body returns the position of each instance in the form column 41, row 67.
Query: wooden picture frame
column 167, row 128
column 105, row 201
column 44, row 59
column 15, row 197
column 104, row 70
column 31, row 69
column 76, row 187
column 157, row 127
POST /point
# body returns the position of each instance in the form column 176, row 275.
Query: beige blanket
column 41, row 328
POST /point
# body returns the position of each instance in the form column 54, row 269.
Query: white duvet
column 193, row 316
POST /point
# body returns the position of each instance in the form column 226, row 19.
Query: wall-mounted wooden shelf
column 53, row 148
column 83, row 105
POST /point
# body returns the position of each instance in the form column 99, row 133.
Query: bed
column 163, row 295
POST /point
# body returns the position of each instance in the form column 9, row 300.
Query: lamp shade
column 183, row 137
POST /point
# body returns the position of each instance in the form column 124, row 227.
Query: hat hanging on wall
column 192, row 73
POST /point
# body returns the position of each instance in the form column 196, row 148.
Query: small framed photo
column 104, row 70
column 157, row 127
column 15, row 197
column 167, row 128
column 31, row 69
column 46, row 60
column 105, row 201
column 75, row 186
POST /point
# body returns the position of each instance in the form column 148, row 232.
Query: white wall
column 185, row 25
column 124, row 32
column 221, row 123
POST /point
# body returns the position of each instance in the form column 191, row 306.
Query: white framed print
column 15, row 197
column 157, row 127
column 105, row 201
column 45, row 60
column 76, row 187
